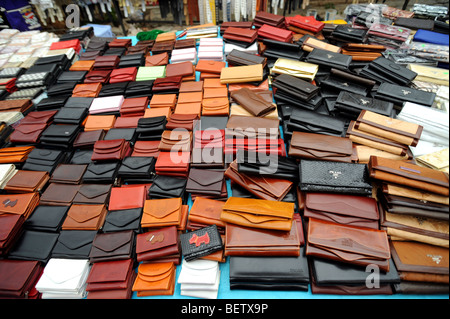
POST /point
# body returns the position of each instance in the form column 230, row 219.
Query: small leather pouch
column 258, row 213
column 158, row 245
column 161, row 212
column 320, row 146
column 409, row 175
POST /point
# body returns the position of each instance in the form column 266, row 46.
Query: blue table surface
column 226, row 293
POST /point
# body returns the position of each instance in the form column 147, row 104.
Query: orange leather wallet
column 162, row 212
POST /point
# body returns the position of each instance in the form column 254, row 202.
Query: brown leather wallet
column 189, row 97
column 163, row 100
column 242, row 74
column 205, row 212
column 157, row 59
column 216, row 106
column 176, row 141
column 180, row 69
column 253, row 102
column 258, row 213
column 85, row 217
column 155, row 279
column 111, row 150
column 87, row 90
column 210, row 66
column 27, row 182
column 17, row 154
column 320, row 146
column 146, row 148
column 262, row 187
column 246, row 241
column 159, row 244
column 57, row 194
column 96, row 122
column 409, row 175
column 18, row 204
column 161, row 212
column 182, row 121
column 68, row 173
column 82, row 65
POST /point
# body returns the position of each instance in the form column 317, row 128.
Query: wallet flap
column 83, row 238
column 156, row 239
column 137, row 162
column 94, row 190
column 205, row 178
column 84, row 213
column 101, row 169
column 121, row 218
column 29, row 129
column 160, row 208
column 153, row 272
column 321, row 142
column 109, row 242
column 59, row 271
column 108, row 146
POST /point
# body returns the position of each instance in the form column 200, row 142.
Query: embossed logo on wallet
column 198, row 240
column 10, row 203
column 436, row 258
column 335, row 174
column 364, row 102
column 330, row 56
column 158, row 238
column 405, row 92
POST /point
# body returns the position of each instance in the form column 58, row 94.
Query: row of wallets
column 260, row 228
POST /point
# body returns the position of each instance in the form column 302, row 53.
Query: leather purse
column 111, row 150
column 104, row 173
column 329, row 59
column 134, row 106
column 123, row 219
column 68, row 174
column 173, row 164
column 175, row 141
column 271, row 166
column 334, row 177
column 34, row 245
column 72, row 77
column 400, row 131
column 167, row 187
column 274, row 33
column 155, row 279
column 182, row 69
column 159, row 245
column 163, row 100
column 113, row 89
column 85, row 217
column 24, row 204
column 312, row 43
column 343, row 209
column 321, row 147
column 295, row 86
column 96, row 122
column 199, row 243
column 82, row 102
column 262, row 276
column 249, row 241
column 252, row 102
column 205, row 181
column 15, row 154
column 161, row 212
column 349, row 34
column 258, row 213
column 92, row 194
column 74, row 244
column 112, row 246
column 242, row 74
column 300, row 69
column 59, row 135
column 409, row 175
column 260, row 186
column 111, row 280
column 169, row 84
column 123, row 75
column 205, row 212
column 87, row 90
column 127, row 197
column 134, row 58
column 354, row 245
column 399, row 95
column 312, row 122
column 18, row 278
column 38, row 117
column 146, row 149
column 106, row 62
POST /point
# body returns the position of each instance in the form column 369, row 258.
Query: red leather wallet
column 39, row 117
column 274, row 33
column 134, row 106
column 173, row 164
column 127, row 197
column 97, row 76
column 240, row 34
column 27, row 133
column 123, row 75
column 307, row 23
column 68, row 44
column 106, row 62
column 111, row 150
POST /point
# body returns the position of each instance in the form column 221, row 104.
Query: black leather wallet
column 74, row 244
column 104, row 173
column 51, row 103
column 132, row 60
column 311, row 104
column 398, row 94
column 395, row 72
column 41, row 159
column 47, row 218
column 349, row 34
column 312, row 122
column 295, row 86
column 79, row 102
column 201, row 242
column 92, row 194
column 151, row 128
column 71, row 115
column 60, row 135
column 343, row 85
column 329, row 59
column 97, row 45
column 253, row 163
column 81, row 157
column 126, row 219
column 352, row 104
column 112, row 89
column 61, row 89
column 277, row 49
column 137, row 169
column 128, row 134
column 139, row 88
column 269, row 273
column 72, row 76
column 167, row 187
column 34, row 245
column 236, row 57
column 334, row 177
